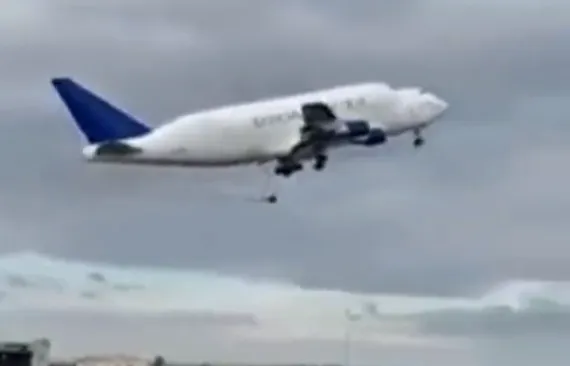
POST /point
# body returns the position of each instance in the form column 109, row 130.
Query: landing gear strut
column 270, row 194
column 418, row 139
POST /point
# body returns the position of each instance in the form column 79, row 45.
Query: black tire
column 320, row 162
column 287, row 171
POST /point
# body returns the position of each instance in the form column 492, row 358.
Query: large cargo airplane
column 286, row 130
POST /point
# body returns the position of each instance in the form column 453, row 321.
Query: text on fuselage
column 278, row 118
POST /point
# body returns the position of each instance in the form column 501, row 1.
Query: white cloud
column 49, row 297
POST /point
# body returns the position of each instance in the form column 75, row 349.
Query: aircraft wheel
column 320, row 162
column 418, row 142
column 272, row 198
column 286, row 171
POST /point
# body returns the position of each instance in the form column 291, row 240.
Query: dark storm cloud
column 458, row 215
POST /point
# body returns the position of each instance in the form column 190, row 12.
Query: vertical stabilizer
column 98, row 120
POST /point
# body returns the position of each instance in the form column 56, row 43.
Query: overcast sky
column 484, row 202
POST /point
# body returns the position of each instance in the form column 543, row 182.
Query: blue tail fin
column 97, row 119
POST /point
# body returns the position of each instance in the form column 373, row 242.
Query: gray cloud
column 113, row 47
column 483, row 202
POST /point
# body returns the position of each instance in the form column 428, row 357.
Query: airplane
column 285, row 130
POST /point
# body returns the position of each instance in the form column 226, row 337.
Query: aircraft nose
column 435, row 105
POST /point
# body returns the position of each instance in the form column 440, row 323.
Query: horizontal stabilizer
column 97, row 119
column 116, row 148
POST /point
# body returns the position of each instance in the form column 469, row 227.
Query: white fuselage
column 265, row 130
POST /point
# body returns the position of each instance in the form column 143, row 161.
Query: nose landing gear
column 418, row 139
column 419, row 142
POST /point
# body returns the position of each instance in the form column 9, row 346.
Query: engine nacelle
column 375, row 136
column 359, row 132
column 357, row 128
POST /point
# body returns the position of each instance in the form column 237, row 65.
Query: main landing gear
column 287, row 168
column 320, row 162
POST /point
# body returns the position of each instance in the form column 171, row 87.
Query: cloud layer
column 63, row 299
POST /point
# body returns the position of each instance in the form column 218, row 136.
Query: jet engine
column 375, row 137
column 353, row 129
column 360, row 132
column 322, row 128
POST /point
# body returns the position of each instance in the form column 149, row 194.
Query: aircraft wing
column 321, row 124
column 318, row 129
column 317, row 113
column 322, row 127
